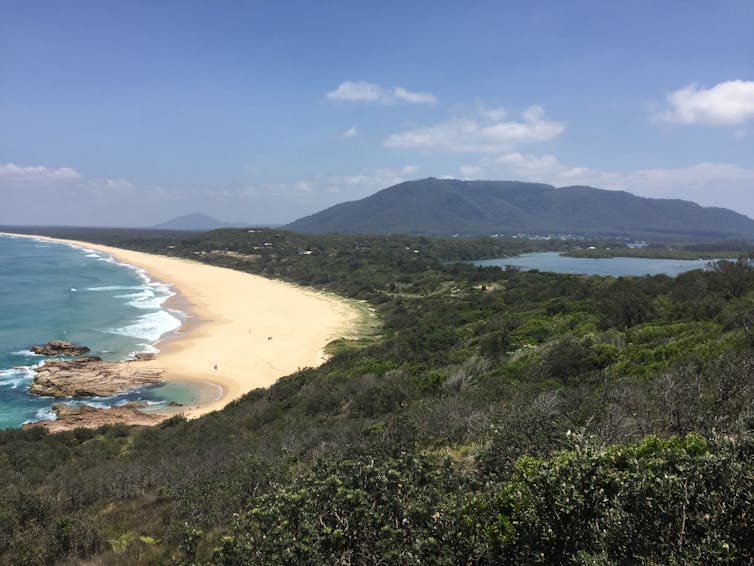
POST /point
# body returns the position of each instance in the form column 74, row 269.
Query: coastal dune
column 241, row 331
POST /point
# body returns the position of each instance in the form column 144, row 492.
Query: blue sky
column 129, row 113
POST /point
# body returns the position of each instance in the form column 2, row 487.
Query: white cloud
column 487, row 133
column 470, row 171
column 362, row 91
column 355, row 92
column 545, row 165
column 10, row 172
column 493, row 114
column 726, row 103
column 413, row 97
column 110, row 184
column 703, row 180
column 333, row 189
column 29, row 186
column 40, row 176
column 709, row 184
column 350, row 132
column 61, row 195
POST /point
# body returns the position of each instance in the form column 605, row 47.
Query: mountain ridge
column 443, row 207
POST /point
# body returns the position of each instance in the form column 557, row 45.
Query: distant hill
column 197, row 222
column 443, row 207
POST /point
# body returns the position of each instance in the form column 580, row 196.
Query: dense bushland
column 495, row 417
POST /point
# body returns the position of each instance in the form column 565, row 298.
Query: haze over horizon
column 128, row 114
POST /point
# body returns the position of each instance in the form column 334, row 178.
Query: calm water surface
column 616, row 266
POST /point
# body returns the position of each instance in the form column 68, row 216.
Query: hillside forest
column 483, row 416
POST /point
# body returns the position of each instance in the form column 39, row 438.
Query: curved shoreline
column 241, row 331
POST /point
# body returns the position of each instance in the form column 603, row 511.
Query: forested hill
column 444, row 207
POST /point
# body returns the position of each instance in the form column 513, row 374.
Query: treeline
column 500, row 417
column 655, row 252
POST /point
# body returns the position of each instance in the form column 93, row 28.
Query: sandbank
column 242, row 331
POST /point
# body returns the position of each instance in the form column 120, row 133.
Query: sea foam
column 16, row 377
column 145, row 299
column 151, row 295
column 27, row 353
column 44, row 414
column 115, row 288
column 150, row 326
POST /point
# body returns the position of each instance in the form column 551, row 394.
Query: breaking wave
column 150, row 326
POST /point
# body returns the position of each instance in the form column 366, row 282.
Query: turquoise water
column 59, row 291
column 616, row 266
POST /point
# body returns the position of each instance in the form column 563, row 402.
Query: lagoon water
column 616, row 266
column 59, row 291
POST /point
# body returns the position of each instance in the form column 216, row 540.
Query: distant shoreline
column 242, row 331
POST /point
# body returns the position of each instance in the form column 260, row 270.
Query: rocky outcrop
column 90, row 376
column 144, row 357
column 70, row 417
column 59, row 348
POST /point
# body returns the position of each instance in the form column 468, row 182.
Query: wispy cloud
column 33, row 174
column 351, row 132
column 726, row 103
column 541, row 166
column 413, row 97
column 110, row 184
column 364, row 183
column 39, row 175
column 470, row 171
column 707, row 183
column 327, row 190
column 488, row 132
column 303, row 186
column 41, row 194
column 362, row 91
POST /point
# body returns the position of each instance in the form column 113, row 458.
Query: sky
column 128, row 113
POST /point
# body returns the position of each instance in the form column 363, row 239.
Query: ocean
column 54, row 290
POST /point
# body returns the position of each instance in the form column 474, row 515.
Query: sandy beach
column 242, row 331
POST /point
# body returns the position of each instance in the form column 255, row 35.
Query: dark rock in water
column 59, row 348
column 90, row 376
column 175, row 404
column 70, row 417
column 144, row 357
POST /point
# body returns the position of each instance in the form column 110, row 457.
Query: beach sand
column 242, row 331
